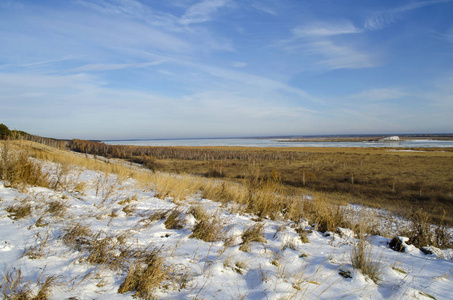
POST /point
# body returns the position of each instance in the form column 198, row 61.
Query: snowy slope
column 282, row 267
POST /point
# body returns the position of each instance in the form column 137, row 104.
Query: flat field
column 401, row 180
column 397, row 179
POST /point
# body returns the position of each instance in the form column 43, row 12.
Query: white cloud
column 239, row 64
column 110, row 67
column 259, row 5
column 380, row 94
column 127, row 7
column 322, row 43
column 134, row 9
column 386, row 18
column 202, row 11
column 340, row 57
column 325, row 29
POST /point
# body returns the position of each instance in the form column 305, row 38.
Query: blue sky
column 118, row 69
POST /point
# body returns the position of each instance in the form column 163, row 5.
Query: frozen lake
column 249, row 142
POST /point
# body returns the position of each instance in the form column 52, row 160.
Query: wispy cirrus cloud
column 134, row 9
column 111, row 67
column 324, row 29
column 120, row 7
column 263, row 7
column 202, row 11
column 326, row 44
column 334, row 56
column 388, row 17
column 239, row 64
column 381, row 94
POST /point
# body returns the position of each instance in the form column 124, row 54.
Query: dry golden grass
column 146, row 274
column 208, row 229
column 15, row 288
column 363, row 260
column 174, row 220
column 254, row 233
column 376, row 177
column 16, row 168
column 19, row 210
column 264, row 195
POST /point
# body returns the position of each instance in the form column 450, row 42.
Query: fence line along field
column 400, row 180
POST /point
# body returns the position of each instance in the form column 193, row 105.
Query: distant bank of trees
column 7, row 134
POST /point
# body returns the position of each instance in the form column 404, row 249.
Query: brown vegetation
column 401, row 181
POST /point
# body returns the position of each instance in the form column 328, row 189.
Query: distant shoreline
column 307, row 138
column 375, row 138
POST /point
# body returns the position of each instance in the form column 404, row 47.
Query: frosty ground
column 120, row 222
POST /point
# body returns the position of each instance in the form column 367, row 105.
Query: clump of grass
column 303, row 234
column 45, row 288
column 174, row 220
column 146, row 274
column 40, row 222
column 254, row 233
column 77, row 236
column 157, row 215
column 100, row 248
column 328, row 217
column 198, row 212
column 19, row 210
column 14, row 287
column 17, row 169
column 103, row 251
column 127, row 200
column 129, row 209
column 60, row 180
column 362, row 260
column 56, row 208
column 422, row 234
column 38, row 250
column 266, row 197
column 207, row 229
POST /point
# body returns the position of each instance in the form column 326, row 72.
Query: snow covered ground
column 126, row 219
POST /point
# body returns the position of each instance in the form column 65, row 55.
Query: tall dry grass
column 382, row 178
column 363, row 260
column 17, row 169
column 266, row 197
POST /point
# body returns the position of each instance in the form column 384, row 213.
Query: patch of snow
column 283, row 266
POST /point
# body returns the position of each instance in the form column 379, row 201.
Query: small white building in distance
column 392, row 138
